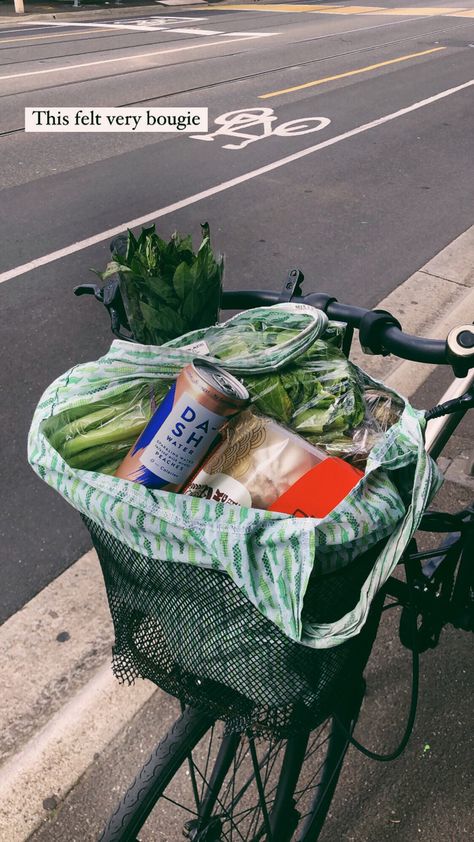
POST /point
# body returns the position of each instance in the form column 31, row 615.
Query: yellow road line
column 52, row 35
column 352, row 10
column 316, row 9
column 302, row 7
column 273, row 7
column 350, row 73
column 421, row 11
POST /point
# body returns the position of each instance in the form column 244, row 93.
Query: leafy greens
column 166, row 288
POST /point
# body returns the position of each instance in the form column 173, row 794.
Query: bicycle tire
column 284, row 820
column 167, row 757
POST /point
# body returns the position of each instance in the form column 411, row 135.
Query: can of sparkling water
column 184, row 427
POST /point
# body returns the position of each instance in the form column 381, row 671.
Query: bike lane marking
column 80, row 245
column 67, row 67
column 350, row 73
column 236, row 124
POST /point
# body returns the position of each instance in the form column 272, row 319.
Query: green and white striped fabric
column 270, row 556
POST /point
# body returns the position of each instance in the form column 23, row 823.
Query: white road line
column 166, row 26
column 172, row 29
column 249, row 34
column 128, row 27
column 67, row 67
column 30, row 28
column 225, row 185
column 192, row 31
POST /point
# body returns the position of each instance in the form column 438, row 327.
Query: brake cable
column 411, row 608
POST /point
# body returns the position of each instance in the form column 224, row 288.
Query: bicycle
column 281, row 789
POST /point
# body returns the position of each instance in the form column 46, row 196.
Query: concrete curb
column 72, row 696
column 436, row 298
column 82, row 14
column 58, row 639
column 115, row 12
column 408, row 377
column 122, row 11
column 35, row 781
column 61, row 705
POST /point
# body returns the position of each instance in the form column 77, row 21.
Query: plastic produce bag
column 324, row 397
column 270, row 556
column 321, row 397
column 260, row 340
column 382, row 410
column 98, row 436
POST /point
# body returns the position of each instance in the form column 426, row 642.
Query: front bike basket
column 194, row 633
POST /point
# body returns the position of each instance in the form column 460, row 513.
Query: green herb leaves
column 166, row 288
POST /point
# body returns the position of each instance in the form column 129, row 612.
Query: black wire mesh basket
column 192, row 631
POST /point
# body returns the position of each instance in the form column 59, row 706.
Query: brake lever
column 90, row 289
column 109, row 295
column 292, row 285
column 461, row 404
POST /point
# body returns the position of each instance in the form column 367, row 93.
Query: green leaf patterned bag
column 269, row 556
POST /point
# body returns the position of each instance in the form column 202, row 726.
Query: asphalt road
column 359, row 204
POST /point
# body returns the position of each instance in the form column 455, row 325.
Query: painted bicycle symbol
column 155, row 23
column 236, row 124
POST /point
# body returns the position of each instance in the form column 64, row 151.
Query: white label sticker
column 200, row 348
column 220, row 488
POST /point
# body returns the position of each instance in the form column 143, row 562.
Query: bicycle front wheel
column 212, row 787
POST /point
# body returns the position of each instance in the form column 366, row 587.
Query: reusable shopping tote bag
column 270, row 556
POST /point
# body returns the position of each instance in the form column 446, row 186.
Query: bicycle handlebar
column 379, row 331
